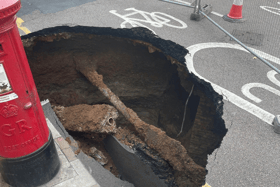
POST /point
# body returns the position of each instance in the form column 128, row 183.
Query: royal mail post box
column 27, row 150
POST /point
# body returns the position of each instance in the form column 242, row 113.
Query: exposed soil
column 99, row 119
column 147, row 83
column 90, row 125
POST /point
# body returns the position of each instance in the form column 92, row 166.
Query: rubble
column 146, row 79
column 168, row 148
column 90, row 119
column 98, row 156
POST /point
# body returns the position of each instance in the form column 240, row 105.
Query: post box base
column 32, row 170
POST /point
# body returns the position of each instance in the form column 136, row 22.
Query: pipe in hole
column 111, row 121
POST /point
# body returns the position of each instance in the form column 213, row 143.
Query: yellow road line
column 206, row 185
column 24, row 29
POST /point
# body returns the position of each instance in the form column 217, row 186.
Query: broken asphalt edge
column 167, row 47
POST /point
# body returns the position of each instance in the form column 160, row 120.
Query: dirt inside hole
column 86, row 144
column 150, row 82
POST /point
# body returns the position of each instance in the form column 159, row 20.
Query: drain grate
column 248, row 37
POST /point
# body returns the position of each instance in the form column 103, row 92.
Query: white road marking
column 155, row 19
column 246, row 90
column 227, row 95
column 217, row 14
column 271, row 9
column 271, row 76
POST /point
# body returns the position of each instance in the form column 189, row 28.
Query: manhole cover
column 248, row 37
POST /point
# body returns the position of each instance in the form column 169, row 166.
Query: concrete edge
column 91, row 168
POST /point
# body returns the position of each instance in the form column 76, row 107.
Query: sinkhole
column 128, row 89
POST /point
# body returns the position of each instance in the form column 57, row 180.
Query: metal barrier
column 203, row 11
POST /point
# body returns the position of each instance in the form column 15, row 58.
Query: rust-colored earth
column 136, row 93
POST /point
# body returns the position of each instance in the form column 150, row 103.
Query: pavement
column 248, row 155
column 76, row 169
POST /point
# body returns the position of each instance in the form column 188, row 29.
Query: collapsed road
column 129, row 86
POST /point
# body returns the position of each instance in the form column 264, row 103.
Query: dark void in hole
column 111, row 120
column 193, row 104
column 149, row 76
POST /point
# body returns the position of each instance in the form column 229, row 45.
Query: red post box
column 28, row 156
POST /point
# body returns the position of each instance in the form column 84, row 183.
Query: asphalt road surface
column 249, row 154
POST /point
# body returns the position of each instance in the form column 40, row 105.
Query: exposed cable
column 185, row 111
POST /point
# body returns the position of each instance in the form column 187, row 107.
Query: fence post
column 235, row 13
column 196, row 15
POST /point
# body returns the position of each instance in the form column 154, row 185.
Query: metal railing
column 199, row 10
